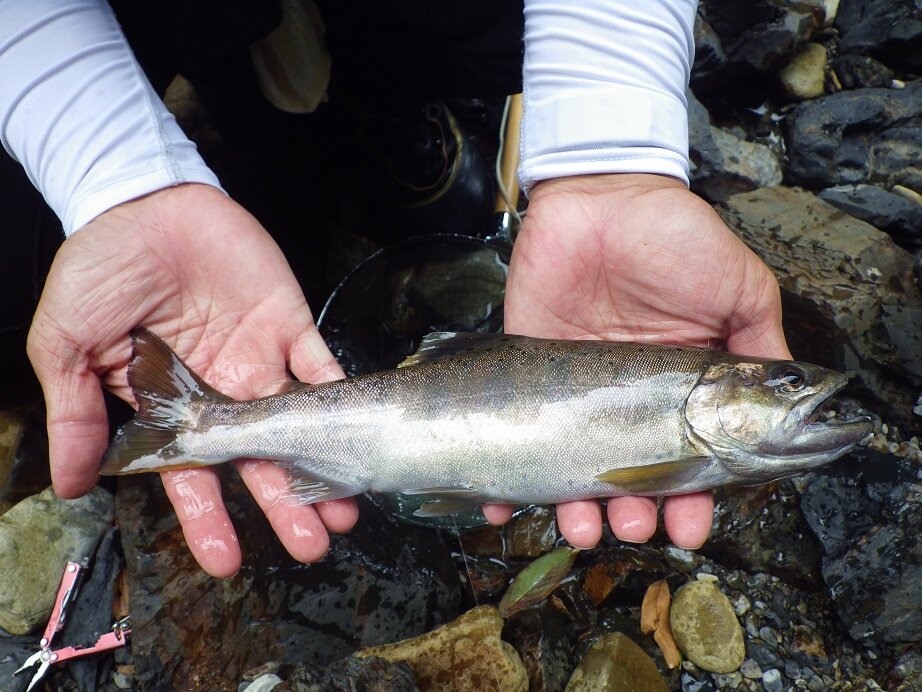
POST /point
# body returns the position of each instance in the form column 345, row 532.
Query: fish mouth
column 831, row 436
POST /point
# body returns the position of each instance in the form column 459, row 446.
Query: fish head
column 761, row 418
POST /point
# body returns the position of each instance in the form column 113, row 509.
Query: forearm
column 80, row 116
column 604, row 88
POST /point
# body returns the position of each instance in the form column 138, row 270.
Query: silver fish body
column 500, row 418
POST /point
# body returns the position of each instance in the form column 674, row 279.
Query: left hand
column 637, row 257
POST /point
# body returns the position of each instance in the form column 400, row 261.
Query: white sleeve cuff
column 604, row 88
column 80, row 116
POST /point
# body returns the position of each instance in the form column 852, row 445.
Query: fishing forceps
column 46, row 656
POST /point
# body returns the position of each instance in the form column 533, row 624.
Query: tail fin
column 170, row 397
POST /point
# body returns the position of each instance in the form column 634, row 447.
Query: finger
column 298, row 526
column 339, row 516
column 78, row 427
column 632, row 519
column 580, row 523
column 688, row 519
column 310, row 359
column 497, row 515
column 196, row 497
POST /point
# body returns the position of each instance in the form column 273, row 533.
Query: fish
column 472, row 418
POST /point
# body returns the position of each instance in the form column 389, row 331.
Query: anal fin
column 445, row 501
column 309, row 488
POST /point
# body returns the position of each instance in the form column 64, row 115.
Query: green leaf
column 536, row 582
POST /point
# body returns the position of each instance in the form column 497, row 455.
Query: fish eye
column 788, row 378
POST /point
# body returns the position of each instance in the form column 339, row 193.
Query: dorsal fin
column 438, row 345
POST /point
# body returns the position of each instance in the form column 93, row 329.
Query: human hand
column 194, row 267
column 637, row 257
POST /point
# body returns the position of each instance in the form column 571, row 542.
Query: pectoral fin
column 656, row 478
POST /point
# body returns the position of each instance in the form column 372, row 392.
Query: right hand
column 195, row 268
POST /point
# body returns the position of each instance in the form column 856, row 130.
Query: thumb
column 311, row 361
column 78, row 428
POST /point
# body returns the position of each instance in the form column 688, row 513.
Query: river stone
column 859, row 136
column 706, row 629
column 722, row 164
column 803, row 77
column 892, row 213
column 890, row 30
column 37, row 537
column 857, row 71
column 614, row 663
column 865, row 511
column 368, row 674
column 466, row 654
column 849, row 296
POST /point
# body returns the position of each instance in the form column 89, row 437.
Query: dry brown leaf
column 654, row 618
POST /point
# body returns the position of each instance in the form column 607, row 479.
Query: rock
column 466, row 654
column 37, row 538
column 760, row 529
column 849, row 298
column 771, row 680
column 890, row 30
column 706, row 629
column 264, row 683
column 709, row 56
column 859, row 136
column 857, row 71
column 760, row 35
column 803, row 77
column 369, row 674
column 540, row 637
column 381, row 582
column 532, row 533
column 614, row 663
column 892, row 213
column 723, row 164
column 865, row 512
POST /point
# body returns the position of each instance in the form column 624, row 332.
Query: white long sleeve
column 604, row 88
column 78, row 113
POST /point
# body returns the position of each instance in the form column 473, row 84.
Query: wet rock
column 37, row 537
column 760, row 529
column 532, row 533
column 857, row 71
column 381, row 582
column 850, row 301
column 540, row 637
column 709, row 55
column 722, row 163
column 616, row 664
column 706, row 629
column 859, row 136
column 866, row 515
column 892, row 213
column 803, row 77
column 890, row 30
column 759, row 36
column 466, row 654
column 369, row 674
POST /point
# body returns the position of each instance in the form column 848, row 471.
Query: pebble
column 706, row 628
column 729, row 681
column 680, row 559
column 616, row 664
column 264, row 683
column 768, row 636
column 750, row 669
column 771, row 680
column 803, row 77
